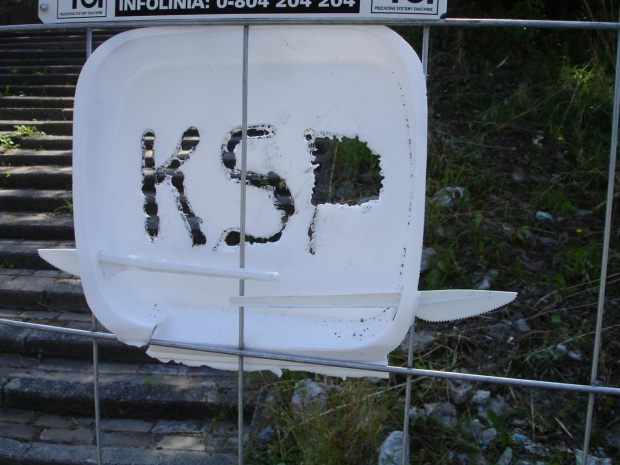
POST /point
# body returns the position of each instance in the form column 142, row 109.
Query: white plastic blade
column 455, row 304
column 319, row 301
column 63, row 259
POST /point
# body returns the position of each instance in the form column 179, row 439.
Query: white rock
column 521, row 326
column 427, row 253
column 306, row 391
column 506, row 457
column 416, row 414
column 443, row 412
column 481, row 396
column 486, row 436
column 445, row 197
column 591, row 460
column 575, row 355
column 390, row 452
column 543, row 216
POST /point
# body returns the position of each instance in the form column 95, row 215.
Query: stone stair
column 151, row 412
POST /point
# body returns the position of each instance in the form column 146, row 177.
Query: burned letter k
column 169, row 172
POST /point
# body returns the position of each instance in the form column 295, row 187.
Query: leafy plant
column 150, row 381
column 7, row 142
column 28, row 131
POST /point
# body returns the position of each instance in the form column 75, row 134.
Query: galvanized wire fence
column 593, row 389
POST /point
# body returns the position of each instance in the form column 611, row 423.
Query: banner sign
column 64, row 11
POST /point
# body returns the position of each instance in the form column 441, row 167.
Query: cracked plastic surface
column 353, row 81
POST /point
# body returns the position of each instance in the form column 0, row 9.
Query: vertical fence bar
column 244, row 158
column 605, row 254
column 405, row 455
column 425, row 43
column 89, row 51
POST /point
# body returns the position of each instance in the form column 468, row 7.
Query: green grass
column 346, row 426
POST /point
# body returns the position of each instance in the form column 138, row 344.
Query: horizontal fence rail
column 403, row 371
column 450, row 22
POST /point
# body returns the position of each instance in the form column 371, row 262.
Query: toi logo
column 81, row 9
column 93, row 4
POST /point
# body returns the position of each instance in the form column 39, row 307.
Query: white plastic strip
column 319, row 301
column 178, row 267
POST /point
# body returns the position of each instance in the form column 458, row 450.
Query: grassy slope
column 521, row 121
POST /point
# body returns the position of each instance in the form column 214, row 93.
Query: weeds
column 11, row 141
column 7, row 143
column 28, row 131
column 66, row 207
column 346, row 425
column 150, row 381
column 519, row 131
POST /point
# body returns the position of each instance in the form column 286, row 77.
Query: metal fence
column 593, row 389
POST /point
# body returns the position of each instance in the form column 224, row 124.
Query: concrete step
column 53, row 41
column 45, row 41
column 44, row 36
column 43, row 71
column 38, row 290
column 36, row 226
column 45, row 90
column 29, row 157
column 17, row 53
column 48, row 344
column 17, row 253
column 21, row 39
column 47, row 143
column 10, row 102
column 173, row 449
column 11, row 79
column 40, row 61
column 148, row 391
column 48, row 200
column 153, row 413
column 36, row 177
column 50, row 128
column 34, row 113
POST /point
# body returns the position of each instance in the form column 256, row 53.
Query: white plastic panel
column 304, row 82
